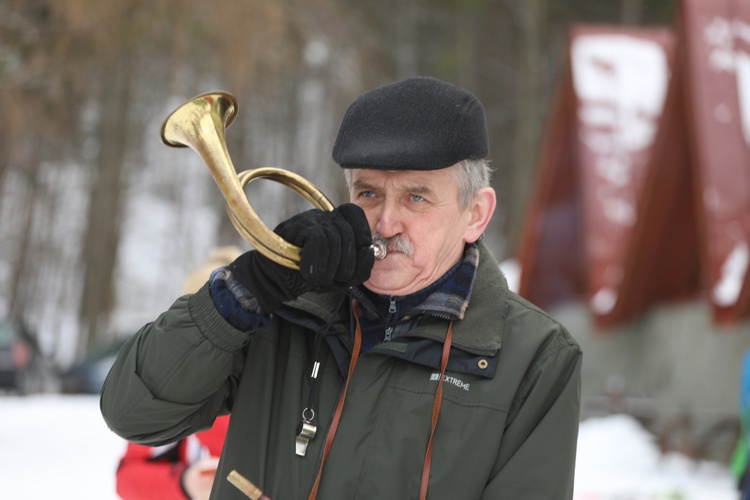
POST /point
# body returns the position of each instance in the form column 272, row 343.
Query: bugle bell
column 200, row 124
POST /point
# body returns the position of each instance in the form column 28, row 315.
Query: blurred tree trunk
column 19, row 287
column 101, row 241
column 406, row 43
column 530, row 110
column 630, row 12
column 467, row 47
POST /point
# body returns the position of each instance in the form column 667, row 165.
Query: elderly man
column 416, row 376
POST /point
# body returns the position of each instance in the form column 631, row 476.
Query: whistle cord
column 314, row 373
column 316, row 364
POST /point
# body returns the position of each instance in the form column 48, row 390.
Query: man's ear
column 480, row 212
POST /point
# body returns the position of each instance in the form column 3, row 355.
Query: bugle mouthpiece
column 379, row 249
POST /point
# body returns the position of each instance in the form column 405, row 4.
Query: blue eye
column 416, row 197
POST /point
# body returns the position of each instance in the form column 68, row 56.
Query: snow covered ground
column 618, row 460
column 58, row 447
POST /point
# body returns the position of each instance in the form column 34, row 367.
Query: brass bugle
column 200, row 124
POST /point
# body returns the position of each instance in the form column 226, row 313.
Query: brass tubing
column 200, row 124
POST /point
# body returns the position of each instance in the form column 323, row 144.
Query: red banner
column 643, row 187
column 716, row 42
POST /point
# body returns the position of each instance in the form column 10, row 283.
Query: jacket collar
column 481, row 329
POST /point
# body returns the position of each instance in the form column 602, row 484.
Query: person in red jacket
column 185, row 469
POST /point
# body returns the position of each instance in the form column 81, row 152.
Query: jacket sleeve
column 176, row 375
column 143, row 476
column 538, row 451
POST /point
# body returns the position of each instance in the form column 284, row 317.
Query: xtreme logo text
column 451, row 380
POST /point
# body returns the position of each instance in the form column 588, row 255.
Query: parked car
column 21, row 363
column 87, row 376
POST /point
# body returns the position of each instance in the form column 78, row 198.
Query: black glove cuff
column 270, row 283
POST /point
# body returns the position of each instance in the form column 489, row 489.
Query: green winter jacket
column 507, row 427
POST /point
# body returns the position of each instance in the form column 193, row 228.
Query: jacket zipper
column 389, row 329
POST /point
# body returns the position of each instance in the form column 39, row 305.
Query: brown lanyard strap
column 340, row 407
column 436, row 412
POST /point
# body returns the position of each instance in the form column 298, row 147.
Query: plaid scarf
column 450, row 298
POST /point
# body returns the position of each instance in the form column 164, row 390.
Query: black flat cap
column 419, row 123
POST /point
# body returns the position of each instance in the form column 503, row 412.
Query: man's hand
column 335, row 254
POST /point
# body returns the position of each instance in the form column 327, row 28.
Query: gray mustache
column 397, row 243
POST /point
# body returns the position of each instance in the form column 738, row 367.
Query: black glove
column 335, row 254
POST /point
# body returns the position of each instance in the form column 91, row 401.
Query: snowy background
column 58, row 447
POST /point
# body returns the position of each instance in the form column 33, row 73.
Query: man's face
column 418, row 212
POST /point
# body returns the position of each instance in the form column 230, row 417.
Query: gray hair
column 471, row 176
